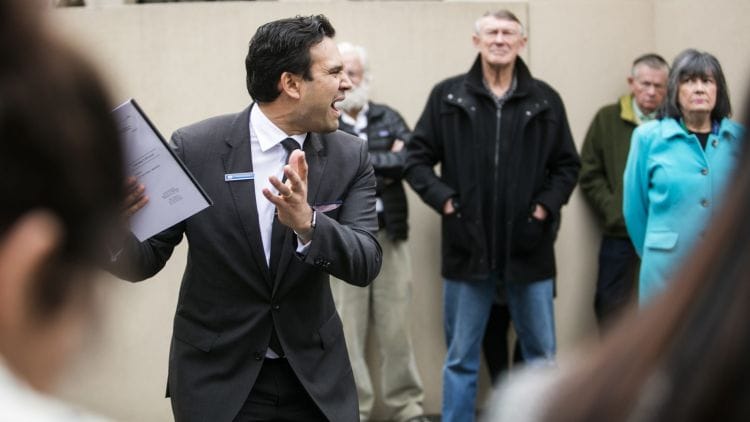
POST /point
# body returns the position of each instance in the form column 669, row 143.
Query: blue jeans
column 466, row 308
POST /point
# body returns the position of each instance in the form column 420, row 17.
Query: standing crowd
column 653, row 166
column 291, row 267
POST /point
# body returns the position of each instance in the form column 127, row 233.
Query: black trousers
column 279, row 396
column 616, row 282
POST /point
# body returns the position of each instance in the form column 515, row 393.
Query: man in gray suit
column 256, row 333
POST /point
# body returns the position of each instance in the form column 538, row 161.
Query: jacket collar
column 626, row 109
column 240, row 130
column 671, row 128
column 240, row 133
column 375, row 110
column 475, row 78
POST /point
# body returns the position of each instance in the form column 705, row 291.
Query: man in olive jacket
column 603, row 156
column 508, row 164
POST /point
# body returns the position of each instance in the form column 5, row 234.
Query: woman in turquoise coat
column 678, row 167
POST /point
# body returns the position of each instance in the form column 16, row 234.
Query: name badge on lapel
column 237, row 177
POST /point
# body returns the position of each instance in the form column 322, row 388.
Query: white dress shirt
column 269, row 157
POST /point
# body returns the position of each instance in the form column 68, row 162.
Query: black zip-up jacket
column 539, row 166
column 385, row 125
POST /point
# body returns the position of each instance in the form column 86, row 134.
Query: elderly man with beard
column 386, row 301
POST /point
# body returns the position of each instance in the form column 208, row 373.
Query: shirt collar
column 268, row 134
column 640, row 116
column 502, row 99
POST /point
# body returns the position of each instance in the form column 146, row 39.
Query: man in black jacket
column 385, row 303
column 508, row 164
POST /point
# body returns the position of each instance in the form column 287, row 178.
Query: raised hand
column 291, row 202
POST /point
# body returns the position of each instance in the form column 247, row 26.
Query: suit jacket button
column 276, row 307
column 257, row 356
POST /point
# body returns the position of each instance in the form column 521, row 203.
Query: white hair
column 359, row 51
column 501, row 15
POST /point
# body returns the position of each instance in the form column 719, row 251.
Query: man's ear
column 524, row 41
column 290, row 84
column 23, row 249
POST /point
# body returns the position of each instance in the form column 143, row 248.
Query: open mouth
column 334, row 104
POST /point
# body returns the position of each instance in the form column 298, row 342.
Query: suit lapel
column 316, row 162
column 238, row 159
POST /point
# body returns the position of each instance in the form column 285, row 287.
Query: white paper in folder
column 174, row 194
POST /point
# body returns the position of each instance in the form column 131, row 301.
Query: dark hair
column 685, row 356
column 651, row 60
column 693, row 63
column 282, row 46
column 59, row 148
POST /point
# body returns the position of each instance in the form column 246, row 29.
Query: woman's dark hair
column 282, row 46
column 59, row 147
column 691, row 64
column 685, row 356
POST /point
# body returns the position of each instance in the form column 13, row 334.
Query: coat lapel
column 238, row 159
column 316, row 162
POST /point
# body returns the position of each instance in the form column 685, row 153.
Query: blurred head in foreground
column 61, row 186
column 685, row 356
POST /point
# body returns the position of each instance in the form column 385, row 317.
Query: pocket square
column 327, row 207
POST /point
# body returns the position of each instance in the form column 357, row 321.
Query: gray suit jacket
column 229, row 301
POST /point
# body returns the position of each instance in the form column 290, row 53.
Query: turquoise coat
column 672, row 188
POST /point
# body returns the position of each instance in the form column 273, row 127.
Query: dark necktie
column 278, row 232
column 289, row 145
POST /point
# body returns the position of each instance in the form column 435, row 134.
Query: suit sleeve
column 562, row 168
column 593, row 179
column 347, row 248
column 141, row 260
column 635, row 189
column 424, row 150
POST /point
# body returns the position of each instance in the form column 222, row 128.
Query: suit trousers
column 278, row 396
column 384, row 307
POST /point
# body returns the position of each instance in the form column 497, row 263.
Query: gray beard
column 356, row 98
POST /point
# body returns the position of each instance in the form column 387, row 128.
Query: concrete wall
column 184, row 62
